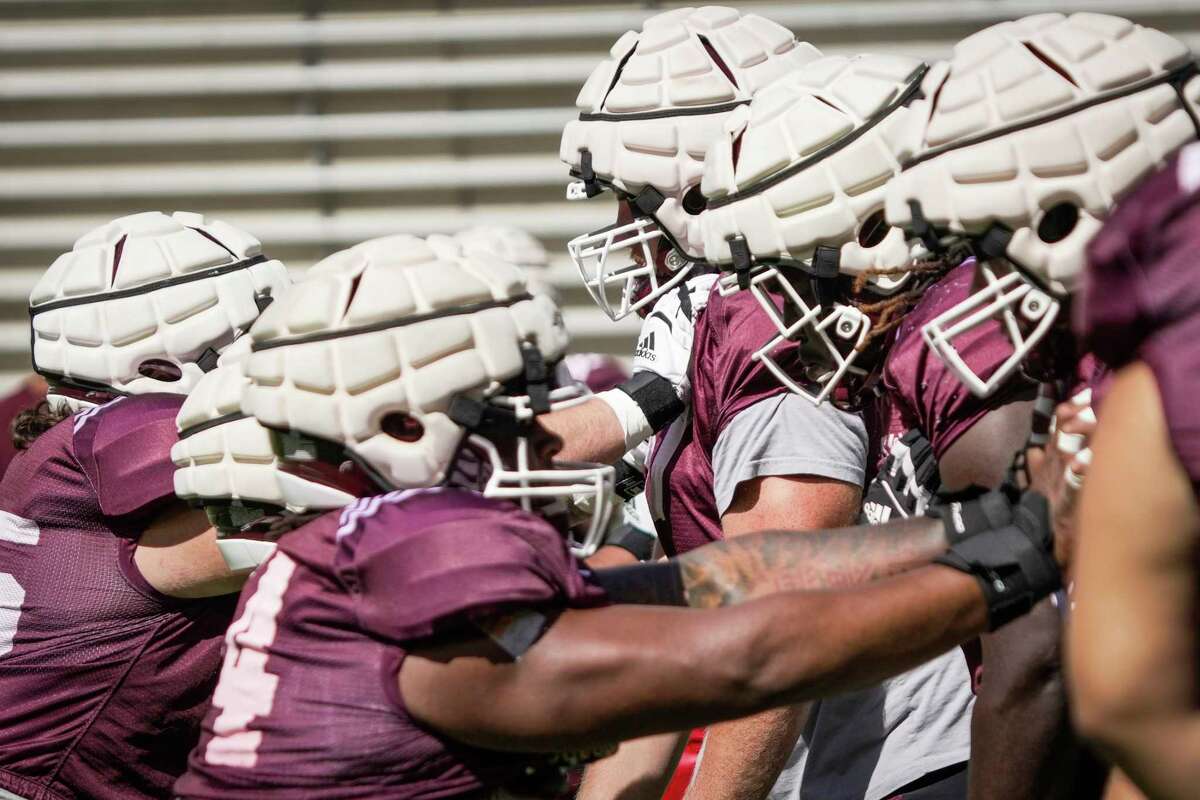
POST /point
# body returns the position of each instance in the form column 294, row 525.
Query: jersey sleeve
column 124, row 449
column 788, row 435
column 409, row 584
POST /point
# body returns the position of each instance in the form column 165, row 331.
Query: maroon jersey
column 923, row 393
column 1141, row 297
column 21, row 398
column 308, row 703
column 103, row 680
column 725, row 381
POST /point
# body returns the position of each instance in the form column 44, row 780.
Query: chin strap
column 739, row 251
column 1007, row 546
column 591, row 187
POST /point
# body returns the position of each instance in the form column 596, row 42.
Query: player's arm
column 640, row 770
column 178, row 555
column 743, row 758
column 624, row 672
column 1136, row 697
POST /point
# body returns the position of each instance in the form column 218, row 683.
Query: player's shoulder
column 423, row 559
column 124, row 448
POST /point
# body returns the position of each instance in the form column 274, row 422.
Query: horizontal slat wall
column 319, row 123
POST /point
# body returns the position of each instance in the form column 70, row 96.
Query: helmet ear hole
column 160, row 369
column 873, row 230
column 1058, row 222
column 694, row 201
column 402, row 427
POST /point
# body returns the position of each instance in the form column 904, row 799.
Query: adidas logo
column 645, row 347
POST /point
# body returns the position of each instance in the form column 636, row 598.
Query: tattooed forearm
column 740, row 569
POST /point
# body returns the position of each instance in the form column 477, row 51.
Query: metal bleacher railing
column 319, row 123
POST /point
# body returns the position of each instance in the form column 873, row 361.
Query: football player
column 1025, row 169
column 114, row 596
column 750, row 457
column 438, row 637
column 795, row 188
column 1135, row 695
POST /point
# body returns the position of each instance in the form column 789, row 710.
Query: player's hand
column 1058, row 469
column 664, row 345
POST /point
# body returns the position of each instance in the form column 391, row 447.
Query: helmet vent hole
column 873, row 230
column 720, row 62
column 694, row 200
column 159, row 369
column 402, row 427
column 1049, row 62
column 1058, row 222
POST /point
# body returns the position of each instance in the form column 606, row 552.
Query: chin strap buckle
column 921, row 228
column 739, row 251
column 648, row 200
column 587, row 186
column 994, row 242
column 825, row 268
column 537, row 378
column 207, row 361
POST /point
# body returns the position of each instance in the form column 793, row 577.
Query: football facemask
column 1026, row 315
column 628, row 265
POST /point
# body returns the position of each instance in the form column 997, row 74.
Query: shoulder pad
column 124, row 448
column 420, row 562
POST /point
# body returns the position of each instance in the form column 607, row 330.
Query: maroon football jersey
column 921, row 392
column 1141, row 297
column 308, row 703
column 16, row 401
column 725, row 381
column 103, row 680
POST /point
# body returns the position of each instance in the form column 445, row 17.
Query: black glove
column 1013, row 562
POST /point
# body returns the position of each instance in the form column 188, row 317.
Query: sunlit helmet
column 394, row 366
column 1036, row 128
column 145, row 304
column 225, row 464
column 795, row 187
column 647, row 116
column 513, row 246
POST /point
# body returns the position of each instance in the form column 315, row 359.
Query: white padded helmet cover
column 513, row 246
column 90, row 335
column 1039, row 112
column 376, row 345
column 844, row 118
column 224, row 455
column 666, row 68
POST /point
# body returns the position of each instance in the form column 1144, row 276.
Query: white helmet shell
column 145, row 298
column 392, row 328
column 1027, row 138
column 797, row 179
column 647, row 116
column 1041, row 114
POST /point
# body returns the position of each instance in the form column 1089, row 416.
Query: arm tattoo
column 735, row 570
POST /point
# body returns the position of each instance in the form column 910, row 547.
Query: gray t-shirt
column 788, row 435
column 867, row 744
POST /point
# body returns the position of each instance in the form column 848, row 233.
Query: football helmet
column 1036, row 128
column 226, row 465
column 795, row 189
column 396, row 365
column 145, row 304
column 647, row 115
column 512, row 245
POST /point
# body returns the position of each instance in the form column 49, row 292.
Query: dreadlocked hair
column 890, row 312
column 33, row 422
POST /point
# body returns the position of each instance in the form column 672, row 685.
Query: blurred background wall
column 317, row 124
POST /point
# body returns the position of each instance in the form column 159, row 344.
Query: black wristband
column 656, row 398
column 1013, row 564
column 657, row 583
column 636, row 541
column 966, row 518
column 628, row 481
